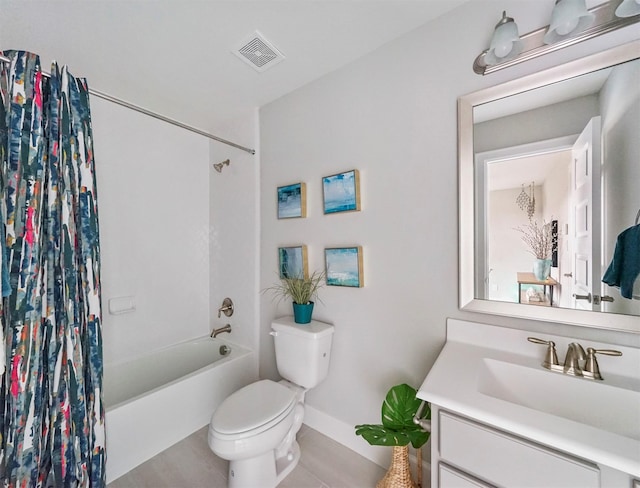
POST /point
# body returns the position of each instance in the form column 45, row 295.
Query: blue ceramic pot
column 302, row 313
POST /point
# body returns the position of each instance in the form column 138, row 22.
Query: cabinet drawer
column 452, row 478
column 508, row 460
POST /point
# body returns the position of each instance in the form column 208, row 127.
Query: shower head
column 218, row 167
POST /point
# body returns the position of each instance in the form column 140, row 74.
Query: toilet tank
column 302, row 350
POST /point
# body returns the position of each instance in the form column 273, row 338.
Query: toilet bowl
column 255, row 428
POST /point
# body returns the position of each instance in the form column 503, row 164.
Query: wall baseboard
column 344, row 434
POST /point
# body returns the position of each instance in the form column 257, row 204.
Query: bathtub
column 160, row 398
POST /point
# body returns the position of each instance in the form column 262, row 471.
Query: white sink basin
column 595, row 403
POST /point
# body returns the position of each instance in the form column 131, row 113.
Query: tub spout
column 216, row 332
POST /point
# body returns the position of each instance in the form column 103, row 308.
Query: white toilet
column 255, row 428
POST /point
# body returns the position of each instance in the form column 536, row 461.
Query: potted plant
column 302, row 291
column 398, row 430
column 539, row 239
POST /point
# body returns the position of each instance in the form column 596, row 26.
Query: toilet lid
column 252, row 407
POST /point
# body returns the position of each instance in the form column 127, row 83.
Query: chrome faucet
column 216, row 332
column 575, row 354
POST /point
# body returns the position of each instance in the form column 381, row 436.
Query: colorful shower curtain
column 51, row 411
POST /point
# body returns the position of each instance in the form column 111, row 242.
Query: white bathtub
column 156, row 400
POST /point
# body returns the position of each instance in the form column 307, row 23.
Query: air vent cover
column 258, row 53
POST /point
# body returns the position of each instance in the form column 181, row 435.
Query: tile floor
column 191, row 464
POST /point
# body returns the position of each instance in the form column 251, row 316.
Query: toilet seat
column 253, row 409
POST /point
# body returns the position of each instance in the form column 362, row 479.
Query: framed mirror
column 558, row 152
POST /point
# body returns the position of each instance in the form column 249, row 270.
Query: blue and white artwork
column 291, row 201
column 344, row 266
column 341, row 192
column 293, row 262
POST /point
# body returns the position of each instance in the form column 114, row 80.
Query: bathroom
column 391, row 114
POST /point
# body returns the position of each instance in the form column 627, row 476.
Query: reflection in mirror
column 563, row 155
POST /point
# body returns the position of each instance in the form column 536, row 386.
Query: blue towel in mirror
column 625, row 265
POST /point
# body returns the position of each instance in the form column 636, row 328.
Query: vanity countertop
column 595, row 420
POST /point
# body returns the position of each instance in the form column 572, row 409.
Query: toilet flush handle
column 273, row 333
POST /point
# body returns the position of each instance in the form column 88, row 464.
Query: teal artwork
column 52, row 431
column 293, row 262
column 344, row 266
column 292, row 201
column 341, row 192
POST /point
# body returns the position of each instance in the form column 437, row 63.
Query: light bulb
column 568, row 18
column 567, row 26
column 505, row 43
column 628, row 8
column 503, row 49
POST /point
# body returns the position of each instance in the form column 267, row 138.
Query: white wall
column 154, row 218
column 507, row 252
column 168, row 237
column 234, row 240
column 392, row 115
column 561, row 119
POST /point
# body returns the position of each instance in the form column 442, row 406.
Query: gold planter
column 399, row 473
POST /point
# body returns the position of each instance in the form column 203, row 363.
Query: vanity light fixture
column 628, row 8
column 567, row 19
column 562, row 32
column 505, row 43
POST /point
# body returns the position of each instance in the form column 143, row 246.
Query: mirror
column 559, row 149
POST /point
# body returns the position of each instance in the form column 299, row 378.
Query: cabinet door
column 452, row 478
column 507, row 460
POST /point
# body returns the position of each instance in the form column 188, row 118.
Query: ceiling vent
column 258, row 53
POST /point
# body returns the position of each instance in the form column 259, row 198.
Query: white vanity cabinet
column 470, row 453
column 499, row 419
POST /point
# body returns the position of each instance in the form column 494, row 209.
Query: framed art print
column 341, row 192
column 292, row 262
column 343, row 266
column 292, row 201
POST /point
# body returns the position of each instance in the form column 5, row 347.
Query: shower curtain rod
column 131, row 106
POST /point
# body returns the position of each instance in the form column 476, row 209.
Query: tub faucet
column 575, row 354
column 216, row 332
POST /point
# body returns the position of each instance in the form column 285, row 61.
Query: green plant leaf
column 299, row 290
column 378, row 435
column 399, row 407
column 418, row 437
column 397, row 429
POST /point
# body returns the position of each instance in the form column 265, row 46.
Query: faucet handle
column 551, row 356
column 227, row 308
column 591, row 368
